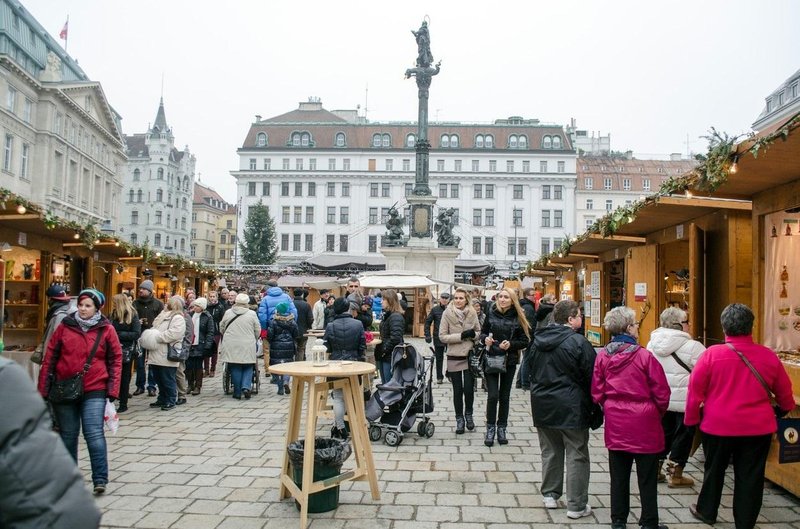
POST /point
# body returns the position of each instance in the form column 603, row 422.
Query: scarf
column 85, row 325
column 461, row 314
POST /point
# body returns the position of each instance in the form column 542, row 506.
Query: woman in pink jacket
column 630, row 385
column 735, row 415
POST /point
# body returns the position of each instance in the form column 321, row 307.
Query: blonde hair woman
column 393, row 326
column 168, row 329
column 129, row 328
column 505, row 332
column 458, row 329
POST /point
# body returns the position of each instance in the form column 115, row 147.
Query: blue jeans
column 140, row 377
column 241, row 377
column 167, row 384
column 89, row 415
column 385, row 370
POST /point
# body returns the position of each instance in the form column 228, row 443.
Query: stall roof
column 395, row 279
column 673, row 210
column 290, row 281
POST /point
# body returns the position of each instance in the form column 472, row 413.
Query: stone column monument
column 419, row 251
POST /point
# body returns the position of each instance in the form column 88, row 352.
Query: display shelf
column 11, row 281
column 25, row 329
column 20, row 305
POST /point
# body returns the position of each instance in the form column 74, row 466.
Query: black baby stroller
column 227, row 386
column 394, row 406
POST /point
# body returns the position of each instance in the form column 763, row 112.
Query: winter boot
column 678, row 480
column 459, row 425
column 501, row 435
column 661, row 476
column 470, row 422
column 490, row 432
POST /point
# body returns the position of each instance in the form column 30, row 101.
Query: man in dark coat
column 147, row 307
column 435, row 318
column 527, row 302
column 363, row 313
column 305, row 320
column 217, row 311
column 40, row 484
column 561, row 365
column 543, row 313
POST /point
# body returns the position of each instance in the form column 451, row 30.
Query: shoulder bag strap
column 682, row 363
column 761, row 380
column 231, row 322
column 88, row 363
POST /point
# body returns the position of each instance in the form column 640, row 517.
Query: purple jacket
column 631, row 386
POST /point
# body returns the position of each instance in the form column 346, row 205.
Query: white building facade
column 158, row 190
column 781, row 104
column 329, row 179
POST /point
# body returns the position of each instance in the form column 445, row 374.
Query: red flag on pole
column 64, row 30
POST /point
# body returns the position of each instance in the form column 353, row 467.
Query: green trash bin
column 329, row 455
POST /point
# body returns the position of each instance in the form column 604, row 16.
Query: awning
column 396, row 280
column 291, row 281
column 346, row 263
column 473, row 266
column 673, row 210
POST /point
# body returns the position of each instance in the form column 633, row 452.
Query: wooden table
column 345, row 376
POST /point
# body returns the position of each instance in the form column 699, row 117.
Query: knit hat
column 282, row 308
column 242, row 299
column 367, row 301
column 201, row 302
column 58, row 293
column 340, row 306
column 147, row 285
column 96, row 296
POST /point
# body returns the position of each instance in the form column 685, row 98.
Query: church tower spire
column 160, row 125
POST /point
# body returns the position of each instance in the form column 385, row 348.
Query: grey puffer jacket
column 40, row 484
column 344, row 338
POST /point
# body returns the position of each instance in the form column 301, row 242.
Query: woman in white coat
column 677, row 353
column 240, row 331
column 168, row 328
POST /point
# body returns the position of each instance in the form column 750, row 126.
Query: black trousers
column 438, row 352
column 749, row 460
column 677, row 438
column 125, row 384
column 463, row 391
column 498, row 387
column 620, row 464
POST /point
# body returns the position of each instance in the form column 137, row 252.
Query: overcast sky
column 650, row 73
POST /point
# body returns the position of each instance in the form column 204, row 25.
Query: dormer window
column 301, row 139
column 512, row 142
column 488, row 140
column 381, row 140
column 340, row 140
column 411, row 140
column 261, row 139
column 547, row 142
column 453, row 141
column 556, row 142
column 517, row 141
column 445, row 141
column 479, row 141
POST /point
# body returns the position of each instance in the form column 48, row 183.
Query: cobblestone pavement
column 214, row 463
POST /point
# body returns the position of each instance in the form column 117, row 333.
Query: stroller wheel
column 393, row 438
column 429, row 429
column 226, row 380
column 421, row 428
column 375, row 433
column 256, row 380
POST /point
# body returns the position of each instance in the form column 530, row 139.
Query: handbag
column 475, row 360
column 71, row 389
column 130, row 352
column 494, row 364
column 175, row 354
column 595, row 416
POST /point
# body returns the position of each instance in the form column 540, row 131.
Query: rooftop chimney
column 258, row 117
column 675, row 157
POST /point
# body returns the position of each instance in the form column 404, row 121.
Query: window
column 159, row 195
column 298, row 214
column 157, row 240
column 509, row 166
column 492, row 166
column 547, row 142
column 134, row 238
column 489, row 217
column 223, row 238
column 457, row 166
column 284, row 243
column 286, row 212
column 309, row 242
column 558, row 192
column 545, row 192
column 444, row 142
column 606, row 183
column 477, row 191
column 626, row 184
column 372, row 245
column 517, row 190
column 331, row 216
column 588, row 222
column 376, row 140
column 556, row 142
column 27, row 110
column 134, row 217
column 609, row 205
column 476, row 166
column 411, row 140
column 264, row 189
column 408, row 189
column 373, row 215
column 558, row 216
column 384, row 215
column 252, row 164
column 285, row 164
column 330, row 243
column 346, row 164
column 512, row 142
column 8, row 151
column 57, row 125
column 251, row 189
column 331, row 189
column 646, row 184
column 440, row 165
column 296, row 242
column 222, row 254
column 477, row 217
column 340, row 140
column 160, row 174
column 137, row 175
column 489, row 190
column 373, row 190
column 522, row 246
column 344, row 215
column 517, row 217
column 229, row 225
column 406, row 164
column 545, row 246
column 543, row 166
column 523, row 142
column 488, row 141
column 561, row 167
column 345, row 189
column 11, row 98
column 343, row 239
column 488, row 245
column 589, row 203
column 386, row 190
column 261, row 139
column 526, row 166
column 312, row 189
column 309, row 214
column 130, row 196
column 139, row 198
column 454, row 190
column 479, row 141
column 455, row 217
column 312, row 164
column 545, row 218
column 476, row 245
column 331, row 164
column 298, row 164
column 23, row 167
column 390, row 165
column 442, row 190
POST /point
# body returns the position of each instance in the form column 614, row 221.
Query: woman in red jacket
column 737, row 418
column 67, row 353
column 631, row 386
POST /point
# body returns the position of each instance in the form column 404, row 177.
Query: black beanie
column 341, row 305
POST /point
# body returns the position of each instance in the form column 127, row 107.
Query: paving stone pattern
column 214, row 463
